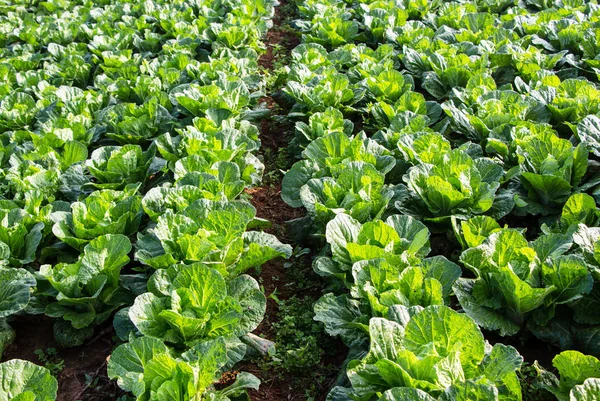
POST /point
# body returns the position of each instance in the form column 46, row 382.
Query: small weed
column 51, row 360
column 276, row 165
column 528, row 376
column 301, row 344
column 278, row 50
column 99, row 386
column 295, row 335
column 289, row 10
column 91, row 381
column 299, row 271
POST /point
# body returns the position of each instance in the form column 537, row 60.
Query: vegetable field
column 340, row 200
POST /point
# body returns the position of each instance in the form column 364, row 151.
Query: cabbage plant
column 398, row 239
column 432, row 354
column 151, row 371
column 102, row 212
column 551, row 170
column 189, row 304
column 454, row 184
column 84, row 294
column 379, row 287
column 207, row 231
column 520, row 284
column 579, row 377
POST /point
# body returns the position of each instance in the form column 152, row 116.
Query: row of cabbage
column 448, row 117
column 126, row 144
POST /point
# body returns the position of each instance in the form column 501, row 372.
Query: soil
column 83, row 376
column 279, row 36
column 275, row 279
column 269, row 205
column 442, row 245
column 274, row 276
column 531, row 225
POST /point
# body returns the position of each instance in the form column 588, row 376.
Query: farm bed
column 314, row 200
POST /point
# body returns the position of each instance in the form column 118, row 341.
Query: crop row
column 423, row 123
column 127, row 142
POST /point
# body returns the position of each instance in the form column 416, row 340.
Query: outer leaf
column 19, row 378
column 405, row 394
column 16, row 286
column 588, row 391
column 128, row 361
